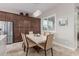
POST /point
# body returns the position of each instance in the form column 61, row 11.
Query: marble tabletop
column 37, row 39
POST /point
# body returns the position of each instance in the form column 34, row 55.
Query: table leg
column 37, row 48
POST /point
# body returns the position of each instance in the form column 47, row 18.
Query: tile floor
column 17, row 50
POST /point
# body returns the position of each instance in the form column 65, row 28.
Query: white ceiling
column 26, row 7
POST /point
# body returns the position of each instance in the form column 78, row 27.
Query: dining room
column 28, row 26
column 38, row 29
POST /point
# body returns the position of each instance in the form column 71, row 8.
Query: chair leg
column 24, row 48
column 27, row 51
column 23, row 45
column 52, row 51
column 45, row 53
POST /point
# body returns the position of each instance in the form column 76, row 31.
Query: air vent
column 37, row 13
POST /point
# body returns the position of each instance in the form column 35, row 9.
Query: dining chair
column 46, row 33
column 48, row 44
column 27, row 43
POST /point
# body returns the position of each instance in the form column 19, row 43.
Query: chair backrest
column 30, row 32
column 49, row 41
column 46, row 33
column 24, row 39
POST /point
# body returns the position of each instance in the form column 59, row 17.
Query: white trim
column 56, row 43
column 75, row 29
column 75, row 26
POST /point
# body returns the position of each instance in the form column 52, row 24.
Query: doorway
column 6, row 28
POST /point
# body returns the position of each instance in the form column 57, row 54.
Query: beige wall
column 64, row 35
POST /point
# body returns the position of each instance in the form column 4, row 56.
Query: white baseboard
column 56, row 43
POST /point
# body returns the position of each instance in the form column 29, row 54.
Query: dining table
column 38, row 39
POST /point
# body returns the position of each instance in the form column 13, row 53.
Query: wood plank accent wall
column 21, row 24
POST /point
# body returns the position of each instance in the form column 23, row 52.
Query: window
column 45, row 25
column 48, row 23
